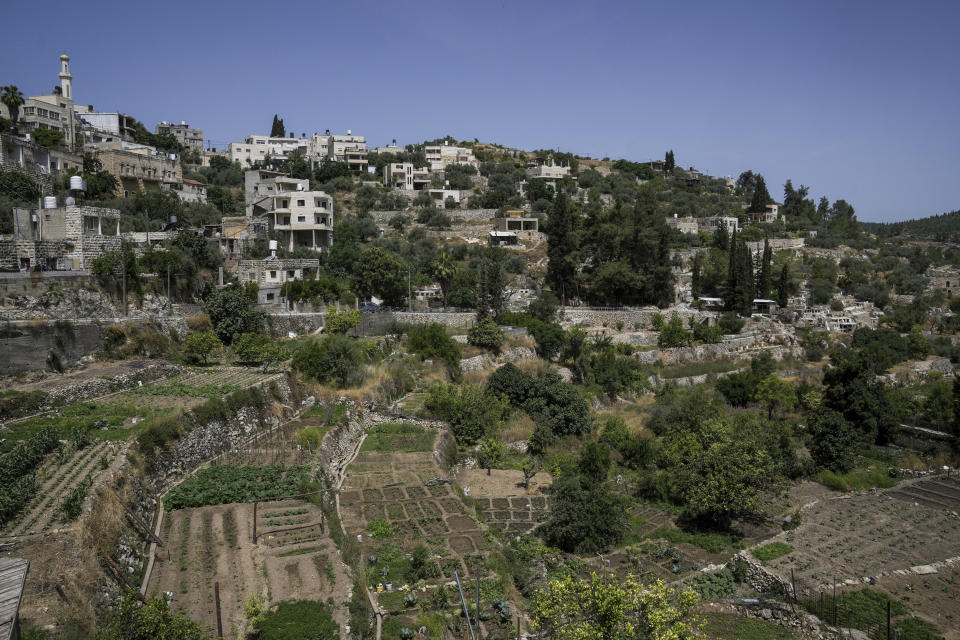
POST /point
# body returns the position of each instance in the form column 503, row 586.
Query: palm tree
column 444, row 269
column 13, row 100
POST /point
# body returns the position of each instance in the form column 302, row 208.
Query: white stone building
column 271, row 273
column 439, row 156
column 182, row 133
column 406, row 177
column 60, row 238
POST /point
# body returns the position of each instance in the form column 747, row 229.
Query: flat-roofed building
column 439, row 156
column 406, row 177
column 271, row 274
column 182, row 133
column 59, row 238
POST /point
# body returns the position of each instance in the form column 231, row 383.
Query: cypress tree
column 277, row 130
column 746, row 280
column 761, row 197
column 695, row 278
column 764, row 274
column 783, row 287
column 733, row 273
column 561, row 269
column 721, row 239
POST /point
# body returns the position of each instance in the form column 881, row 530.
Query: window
column 290, row 274
column 273, row 274
column 301, row 203
column 251, row 276
column 286, row 219
column 284, row 204
column 301, row 218
column 269, row 297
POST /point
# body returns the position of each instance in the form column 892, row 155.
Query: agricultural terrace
column 293, row 559
column 905, row 542
column 507, row 504
column 51, row 460
column 416, row 530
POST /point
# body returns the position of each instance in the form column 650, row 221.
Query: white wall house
column 439, row 156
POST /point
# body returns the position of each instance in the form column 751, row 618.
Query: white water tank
column 70, row 201
column 50, row 202
column 273, row 245
column 77, row 183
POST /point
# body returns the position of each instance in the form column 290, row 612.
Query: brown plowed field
column 215, row 544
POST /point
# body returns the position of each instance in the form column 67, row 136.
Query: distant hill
column 942, row 228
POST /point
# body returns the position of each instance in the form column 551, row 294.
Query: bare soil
column 283, row 564
column 871, row 535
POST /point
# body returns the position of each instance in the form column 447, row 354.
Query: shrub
column 341, row 321
column 199, row 322
column 730, row 323
column 550, row 339
column 471, row 412
column 432, row 341
column 300, row 619
column 201, row 344
column 486, row 335
column 673, row 334
column 258, row 348
column 380, row 528
column 160, row 432
column 334, row 358
column 212, row 410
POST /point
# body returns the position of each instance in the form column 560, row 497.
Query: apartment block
column 138, row 167
column 350, row 149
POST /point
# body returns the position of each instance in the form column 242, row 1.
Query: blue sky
column 858, row 100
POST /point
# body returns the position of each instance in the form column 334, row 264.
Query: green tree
column 491, row 453
column 232, row 311
column 774, row 393
column 544, row 307
column 674, row 335
column 48, row 138
column 955, row 425
column 154, row 620
column 550, row 339
column 761, row 197
column 341, row 321
column 471, row 411
column 334, row 358
column 443, row 269
column 201, row 344
column 669, row 162
column 379, row 273
column 561, row 247
column 277, row 130
column 833, row 440
column 12, row 99
column 586, row 517
column 485, row 334
column 917, row 343
column 765, row 272
column 783, row 287
column 594, row 462
column 569, row 608
column 258, row 348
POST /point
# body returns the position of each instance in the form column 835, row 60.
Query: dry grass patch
column 519, row 427
column 633, row 415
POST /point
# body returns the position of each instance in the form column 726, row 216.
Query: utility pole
column 168, row 283
column 124, row 267
column 409, row 292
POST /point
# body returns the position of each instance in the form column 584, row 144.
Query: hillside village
column 452, row 389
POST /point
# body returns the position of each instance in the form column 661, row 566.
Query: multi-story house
column 350, row 149
column 138, row 167
column 404, row 176
column 439, row 156
column 270, row 274
column 60, row 238
column 302, row 218
column 713, row 223
column 260, row 148
column 182, row 133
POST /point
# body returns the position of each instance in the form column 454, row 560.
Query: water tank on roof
column 50, row 202
column 173, row 219
column 273, row 245
column 299, row 187
column 70, row 201
column 77, row 183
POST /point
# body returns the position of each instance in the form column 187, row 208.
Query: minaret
column 66, row 78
